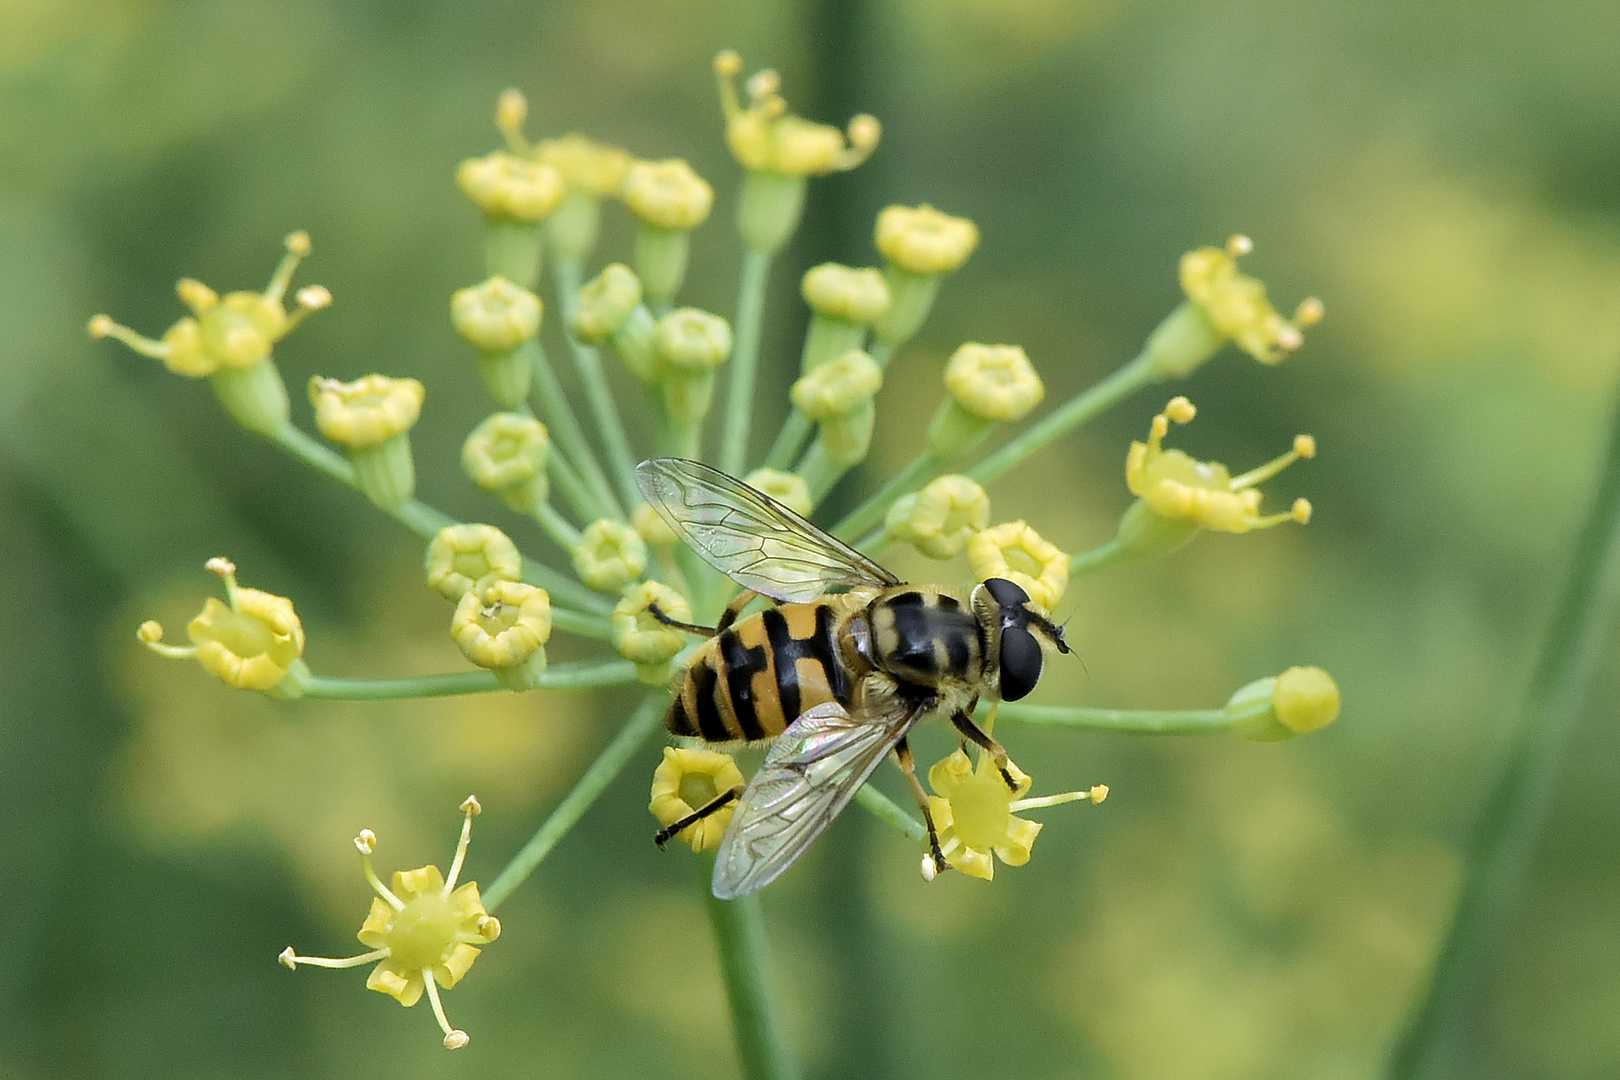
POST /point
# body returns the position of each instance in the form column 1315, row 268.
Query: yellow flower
column 787, row 488
column 1014, row 551
column 470, row 558
column 424, row 931
column 643, row 639
column 692, row 340
column 1236, row 305
column 506, row 454
column 941, row 518
column 668, row 194
column 994, row 382
column 507, row 187
column 585, row 164
column 654, row 530
column 366, row 412
column 252, row 643
column 974, row 813
column 1297, row 702
column 1174, row 485
column 839, row 387
column 496, row 316
column 504, row 627
column 765, row 137
column 236, row 331
column 922, row 240
column 685, row 782
column 610, row 555
column 843, row 292
column 605, row 302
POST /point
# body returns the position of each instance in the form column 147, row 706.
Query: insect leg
column 976, row 735
column 902, row 754
column 691, row 628
column 725, row 798
column 734, row 609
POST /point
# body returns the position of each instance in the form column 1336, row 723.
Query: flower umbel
column 254, row 642
column 685, row 782
column 974, row 812
column 1175, row 485
column 424, row 930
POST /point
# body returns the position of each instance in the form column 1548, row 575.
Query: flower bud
column 921, row 240
column 585, row 164
column 941, row 518
column 504, row 629
column 371, row 417
column 689, row 345
column 842, row 292
column 1297, row 702
column 470, row 558
column 610, row 555
column 669, row 200
column 987, row 384
column 685, row 782
column 1017, row 552
column 787, row 488
column 838, row 397
column 652, row 528
column 510, row 188
column 644, row 640
column 499, row 318
column 605, row 302
column 506, row 454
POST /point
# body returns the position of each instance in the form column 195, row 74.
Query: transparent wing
column 750, row 537
column 810, row 773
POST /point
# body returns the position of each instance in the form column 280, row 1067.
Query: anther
column 288, row 958
column 366, row 842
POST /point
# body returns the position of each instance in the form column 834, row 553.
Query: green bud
column 506, row 454
column 499, row 319
column 605, row 302
column 1181, row 343
column 1299, row 701
column 255, row 397
column 610, row 555
column 769, row 209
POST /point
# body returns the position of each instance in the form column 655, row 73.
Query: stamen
column 151, row 635
column 454, row 1038
column 1095, row 794
column 102, row 326
column 225, row 570
column 291, row 960
column 471, row 809
column 1304, row 447
column 511, row 109
column 366, row 843
column 298, row 246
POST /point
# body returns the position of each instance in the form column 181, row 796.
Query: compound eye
column 1020, row 662
column 1007, row 593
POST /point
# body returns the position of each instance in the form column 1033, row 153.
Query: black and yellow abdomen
column 753, row 679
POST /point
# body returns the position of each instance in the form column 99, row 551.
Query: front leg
column 981, row 738
column 902, row 755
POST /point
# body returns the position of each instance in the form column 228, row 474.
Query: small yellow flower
column 692, row 339
column 652, row 528
column 236, row 331
column 643, row 639
column 424, row 931
column 839, row 387
column 1014, row 551
column 685, row 782
column 994, row 382
column 496, row 316
column 1174, row 485
column 251, row 643
column 504, row 626
column 974, row 813
column 585, row 164
column 843, row 292
column 506, row 454
column 470, row 558
column 765, row 137
column 507, row 187
column 605, row 302
column 941, row 518
column 610, row 555
column 787, row 488
column 668, row 194
column 1297, row 702
column 922, row 240
column 366, row 412
column 1236, row 305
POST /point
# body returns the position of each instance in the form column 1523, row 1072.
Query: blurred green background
column 1445, row 175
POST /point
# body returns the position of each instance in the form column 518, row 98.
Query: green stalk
column 756, row 269
column 739, row 938
column 559, row 415
column 1124, row 382
column 1084, row 562
column 794, row 431
column 569, row 675
column 608, row 764
column 870, row 512
column 588, row 362
column 1516, row 805
column 1139, row 721
column 886, row 809
column 561, row 531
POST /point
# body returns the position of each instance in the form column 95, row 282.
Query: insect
column 835, row 673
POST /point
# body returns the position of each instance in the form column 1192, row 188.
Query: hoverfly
column 835, row 673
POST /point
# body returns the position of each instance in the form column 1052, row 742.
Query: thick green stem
column 785, row 449
column 580, row 675
column 1515, row 805
column 559, row 415
column 608, row 764
column 739, row 938
column 756, row 268
column 1076, row 411
column 886, row 809
column 605, row 411
column 1084, row 562
column 1139, row 721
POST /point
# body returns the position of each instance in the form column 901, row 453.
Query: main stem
column 739, row 938
column 1516, row 804
column 756, row 268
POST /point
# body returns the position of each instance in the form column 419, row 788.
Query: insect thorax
column 926, row 636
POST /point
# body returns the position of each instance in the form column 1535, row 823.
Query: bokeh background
column 1445, row 175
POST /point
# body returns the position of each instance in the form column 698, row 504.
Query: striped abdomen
column 753, row 679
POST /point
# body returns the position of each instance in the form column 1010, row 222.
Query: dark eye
column 1008, row 594
column 1020, row 662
